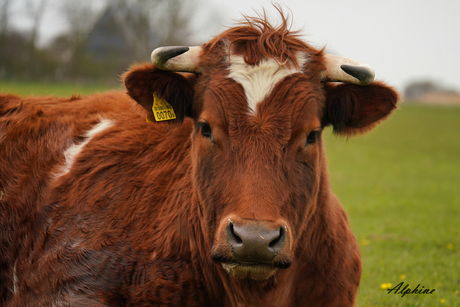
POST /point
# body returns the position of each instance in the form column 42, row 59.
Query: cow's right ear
column 141, row 81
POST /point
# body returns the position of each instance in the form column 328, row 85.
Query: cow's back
column 34, row 133
column 79, row 166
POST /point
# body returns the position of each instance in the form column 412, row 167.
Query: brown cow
column 227, row 205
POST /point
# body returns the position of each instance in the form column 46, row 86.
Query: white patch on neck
column 74, row 150
column 259, row 80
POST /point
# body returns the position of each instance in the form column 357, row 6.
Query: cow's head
column 259, row 98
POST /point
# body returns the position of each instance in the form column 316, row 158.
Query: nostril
column 276, row 244
column 232, row 235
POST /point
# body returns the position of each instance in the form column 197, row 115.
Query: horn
column 340, row 69
column 177, row 58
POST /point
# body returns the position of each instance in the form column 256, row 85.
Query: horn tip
column 364, row 74
column 161, row 55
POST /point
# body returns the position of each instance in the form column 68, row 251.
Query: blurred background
column 86, row 41
column 400, row 183
column 414, row 46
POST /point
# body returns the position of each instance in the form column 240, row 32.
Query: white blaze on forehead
column 74, row 150
column 259, row 80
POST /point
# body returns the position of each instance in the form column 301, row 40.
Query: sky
column 402, row 40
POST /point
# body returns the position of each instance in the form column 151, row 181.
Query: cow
column 204, row 184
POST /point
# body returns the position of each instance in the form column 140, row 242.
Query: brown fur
column 256, row 39
column 142, row 212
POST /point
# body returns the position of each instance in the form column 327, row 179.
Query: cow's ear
column 142, row 81
column 353, row 109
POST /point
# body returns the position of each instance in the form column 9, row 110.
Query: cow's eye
column 312, row 137
column 205, row 130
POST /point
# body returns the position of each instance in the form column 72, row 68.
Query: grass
column 400, row 185
column 54, row 89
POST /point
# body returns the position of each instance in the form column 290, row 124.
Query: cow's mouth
column 256, row 271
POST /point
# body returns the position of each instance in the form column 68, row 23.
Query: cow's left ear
column 141, row 81
column 353, row 109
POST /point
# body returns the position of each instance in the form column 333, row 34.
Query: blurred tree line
column 99, row 44
column 428, row 91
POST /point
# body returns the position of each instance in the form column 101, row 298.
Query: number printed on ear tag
column 162, row 110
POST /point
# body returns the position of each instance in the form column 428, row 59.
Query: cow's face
column 257, row 162
column 257, row 153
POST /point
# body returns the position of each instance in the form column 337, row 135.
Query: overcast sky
column 402, row 40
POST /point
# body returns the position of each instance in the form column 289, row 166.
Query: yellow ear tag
column 162, row 110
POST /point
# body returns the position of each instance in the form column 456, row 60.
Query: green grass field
column 400, row 185
column 54, row 89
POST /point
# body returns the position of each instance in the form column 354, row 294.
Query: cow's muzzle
column 251, row 248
